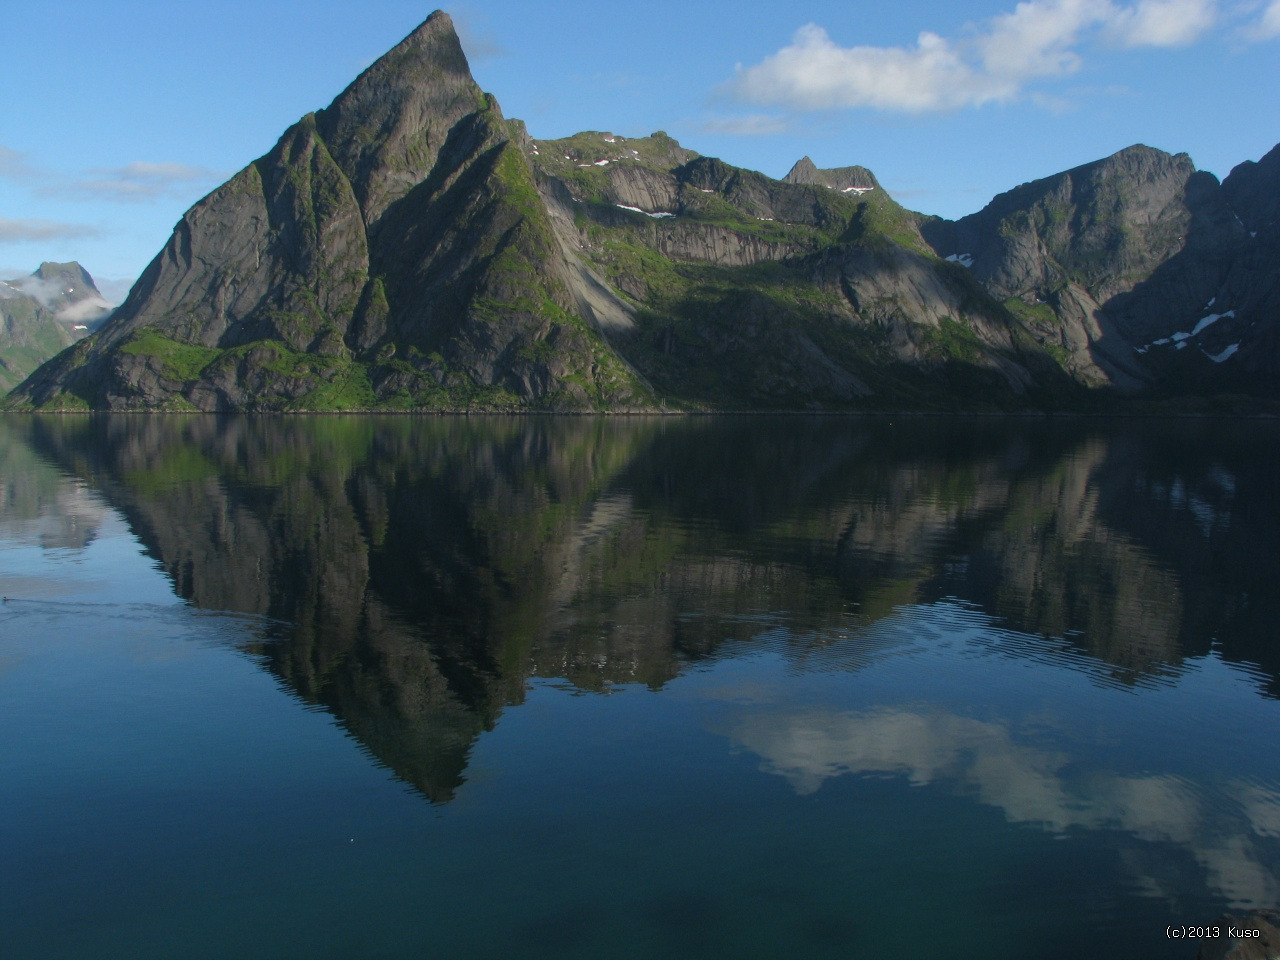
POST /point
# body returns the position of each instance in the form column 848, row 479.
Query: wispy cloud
column 140, row 180
column 747, row 125
column 70, row 305
column 20, row 231
column 994, row 61
column 137, row 181
column 1267, row 26
column 14, row 165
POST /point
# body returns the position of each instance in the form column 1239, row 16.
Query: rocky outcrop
column 815, row 291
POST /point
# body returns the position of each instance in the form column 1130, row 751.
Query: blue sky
column 118, row 116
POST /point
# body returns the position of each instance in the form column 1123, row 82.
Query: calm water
column 419, row 688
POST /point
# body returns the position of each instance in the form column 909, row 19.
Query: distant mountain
column 844, row 179
column 409, row 248
column 41, row 314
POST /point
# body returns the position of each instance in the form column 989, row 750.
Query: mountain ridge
column 409, row 247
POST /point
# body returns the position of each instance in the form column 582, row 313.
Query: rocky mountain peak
column 72, row 273
column 43, row 312
column 54, row 286
column 804, row 171
column 1253, row 190
column 846, row 179
column 388, row 127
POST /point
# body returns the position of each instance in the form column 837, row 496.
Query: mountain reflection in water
column 422, row 571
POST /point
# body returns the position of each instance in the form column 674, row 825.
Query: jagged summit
column 387, row 128
column 846, row 179
column 1253, row 187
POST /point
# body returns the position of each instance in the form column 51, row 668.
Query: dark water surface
column 723, row 687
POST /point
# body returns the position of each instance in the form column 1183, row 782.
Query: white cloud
column 992, row 62
column 1162, row 23
column 45, row 292
column 814, row 73
column 1036, row 40
column 747, row 125
column 19, row 231
column 86, row 311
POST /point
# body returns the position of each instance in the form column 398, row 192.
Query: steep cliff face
column 1251, row 288
column 1144, row 272
column 1057, row 249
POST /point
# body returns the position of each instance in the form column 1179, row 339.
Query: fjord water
column 651, row 687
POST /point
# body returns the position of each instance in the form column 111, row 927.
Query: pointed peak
column 837, row 178
column 386, row 129
column 436, row 37
column 430, row 55
column 802, row 172
column 437, row 22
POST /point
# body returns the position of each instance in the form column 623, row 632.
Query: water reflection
column 1226, row 831
column 38, row 506
column 423, row 570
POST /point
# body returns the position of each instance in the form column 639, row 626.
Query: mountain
column 1123, row 264
column 42, row 313
column 391, row 250
column 408, row 247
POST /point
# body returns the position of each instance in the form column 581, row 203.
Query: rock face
column 1125, row 263
column 43, row 313
column 1251, row 285
column 409, row 248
